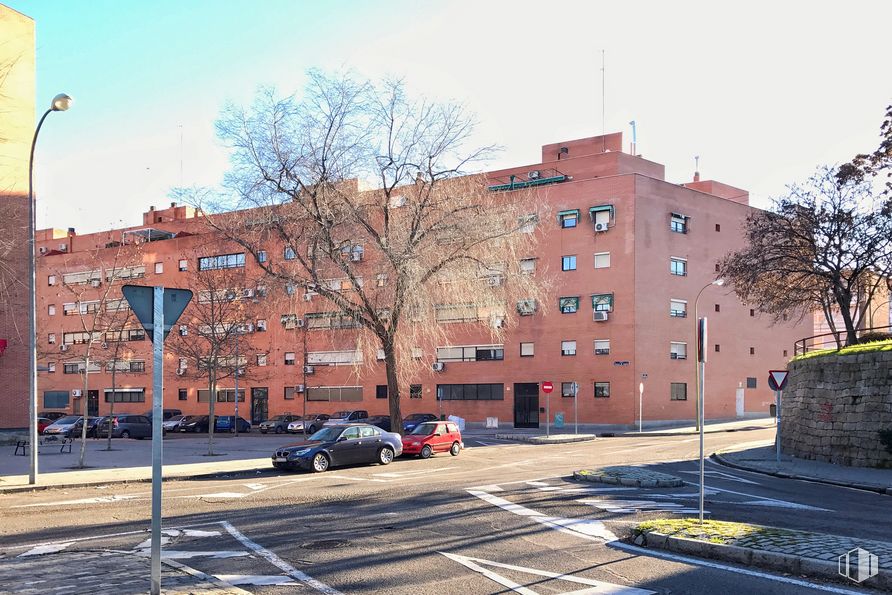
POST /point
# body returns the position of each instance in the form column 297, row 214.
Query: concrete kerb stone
column 553, row 439
column 629, row 476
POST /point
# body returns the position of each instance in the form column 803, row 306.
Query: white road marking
column 631, row 506
column 257, row 579
column 721, row 475
column 188, row 554
column 219, row 495
column 413, row 473
column 774, row 501
column 40, row 550
column 255, row 486
column 477, row 565
column 196, row 533
column 279, row 562
column 96, row 500
column 356, row 478
column 204, row 577
column 148, row 543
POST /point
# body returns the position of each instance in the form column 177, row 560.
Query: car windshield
column 327, row 434
column 178, row 418
column 416, row 417
column 68, row 419
column 340, row 414
column 425, row 429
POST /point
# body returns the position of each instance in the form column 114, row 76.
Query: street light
column 718, row 283
column 60, row 103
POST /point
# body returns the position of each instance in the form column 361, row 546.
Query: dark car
column 343, row 417
column 345, row 444
column 314, row 423
column 52, row 415
column 277, row 424
column 165, row 415
column 127, row 426
column 195, row 423
column 226, row 423
column 410, row 421
column 381, row 421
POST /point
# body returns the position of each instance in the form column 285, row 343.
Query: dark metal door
column 259, row 405
column 526, row 405
column 92, row 403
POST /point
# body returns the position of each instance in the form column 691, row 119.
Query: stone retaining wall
column 833, row 407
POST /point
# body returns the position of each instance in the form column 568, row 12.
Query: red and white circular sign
column 547, row 387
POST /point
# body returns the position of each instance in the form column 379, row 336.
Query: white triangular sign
column 779, row 377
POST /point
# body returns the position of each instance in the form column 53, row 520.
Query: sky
column 762, row 92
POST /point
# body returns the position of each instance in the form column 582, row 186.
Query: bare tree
column 875, row 164
column 428, row 244
column 221, row 311
column 823, row 246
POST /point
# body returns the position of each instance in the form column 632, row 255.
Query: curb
column 788, row 563
column 535, row 439
column 869, row 487
column 662, row 480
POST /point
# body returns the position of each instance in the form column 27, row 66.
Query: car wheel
column 426, row 451
column 385, row 455
column 278, row 429
column 125, row 434
column 278, row 465
column 456, row 448
column 320, row 462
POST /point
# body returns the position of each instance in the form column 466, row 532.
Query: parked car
column 195, row 423
column 278, row 423
column 173, row 424
column 433, row 436
column 52, row 415
column 314, row 423
column 127, row 426
column 226, row 423
column 344, row 444
column 381, row 421
column 166, row 414
column 410, row 421
column 93, row 424
column 42, row 424
column 63, row 426
column 343, row 417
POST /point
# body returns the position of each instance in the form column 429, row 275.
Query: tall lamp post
column 719, row 283
column 61, row 103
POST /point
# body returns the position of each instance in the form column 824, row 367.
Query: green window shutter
column 602, row 302
column 568, row 304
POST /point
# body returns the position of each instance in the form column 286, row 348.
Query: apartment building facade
column 626, row 252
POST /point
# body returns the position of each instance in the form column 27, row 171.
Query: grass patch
column 720, row 532
column 860, row 348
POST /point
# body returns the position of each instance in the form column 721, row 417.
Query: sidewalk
column 762, row 459
column 680, row 428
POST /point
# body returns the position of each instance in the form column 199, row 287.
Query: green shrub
column 871, row 336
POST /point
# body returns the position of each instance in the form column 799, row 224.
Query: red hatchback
column 433, row 436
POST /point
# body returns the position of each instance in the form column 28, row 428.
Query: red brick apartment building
column 17, row 89
column 629, row 252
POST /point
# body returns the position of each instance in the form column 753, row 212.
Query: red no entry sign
column 547, row 387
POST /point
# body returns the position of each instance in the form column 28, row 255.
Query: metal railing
column 832, row 339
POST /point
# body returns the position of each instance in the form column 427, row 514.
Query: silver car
column 313, row 423
column 345, row 417
column 63, row 426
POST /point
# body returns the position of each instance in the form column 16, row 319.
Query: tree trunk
column 846, row 313
column 393, row 389
column 84, row 399
column 212, row 398
column 111, row 406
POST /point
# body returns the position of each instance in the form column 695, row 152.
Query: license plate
column 280, row 459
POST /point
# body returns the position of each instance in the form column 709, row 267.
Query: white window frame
column 604, row 257
column 51, row 310
column 675, row 312
column 290, row 357
column 261, row 359
column 530, row 350
column 673, row 260
column 568, row 348
column 678, row 350
column 159, row 268
column 601, row 346
column 527, row 266
column 183, row 265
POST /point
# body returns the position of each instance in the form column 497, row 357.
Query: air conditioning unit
column 43, row 249
column 104, row 345
column 181, row 371
column 95, row 282
column 534, row 175
column 63, row 347
column 261, row 325
column 380, row 355
column 599, row 316
column 300, row 388
column 77, row 393
column 600, row 227
column 63, row 247
column 438, row 366
column 308, row 297
column 494, row 281
column 248, row 293
column 309, row 369
column 184, row 330
column 356, row 256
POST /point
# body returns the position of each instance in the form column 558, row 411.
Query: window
column 261, row 256
column 183, row 364
column 227, row 395
column 752, row 351
column 527, row 349
column 182, row 394
column 55, row 399
column 69, row 309
column 222, row 261
column 88, row 307
column 159, row 268
column 51, row 310
column 335, row 393
column 602, row 260
column 134, row 366
column 678, row 308
column 261, row 359
column 380, row 280
column 678, row 223
column 568, row 389
column 82, row 277
column 73, row 368
column 51, row 280
column 125, row 395
column 784, row 316
column 602, row 302
column 527, row 223
column 416, row 353
column 334, row 358
column 261, row 325
column 751, row 382
column 601, row 216
column 381, row 391
column 718, row 227
column 568, row 305
column 718, row 308
column 678, row 266
column 678, row 391
column 752, row 312
column 51, row 366
column 289, row 358
column 289, row 253
column 568, row 347
column 568, row 218
column 718, row 267
column 414, row 391
column 184, row 330
column 289, row 393
column 131, row 272
column 526, row 307
column 330, row 320
column 470, row 392
column 528, row 266
column 568, row 263
column 602, row 346
column 678, row 350
column 471, row 353
column 183, row 265
column 51, row 338
column 785, row 353
column 602, row 390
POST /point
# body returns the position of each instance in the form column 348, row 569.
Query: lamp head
column 61, row 102
column 719, row 282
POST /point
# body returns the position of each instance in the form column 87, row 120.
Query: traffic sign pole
column 701, row 417
column 777, row 380
column 575, row 408
column 547, row 387
column 157, row 438
column 777, row 407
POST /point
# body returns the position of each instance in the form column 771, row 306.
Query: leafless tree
column 823, row 246
column 207, row 340
column 428, row 243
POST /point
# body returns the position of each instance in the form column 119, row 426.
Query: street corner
column 629, row 476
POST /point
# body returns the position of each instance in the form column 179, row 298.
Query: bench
column 22, row 445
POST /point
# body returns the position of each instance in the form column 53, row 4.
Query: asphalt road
column 447, row 524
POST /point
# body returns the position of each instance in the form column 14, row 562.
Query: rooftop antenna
column 634, row 136
column 696, row 168
column 603, row 101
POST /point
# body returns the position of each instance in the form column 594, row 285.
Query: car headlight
column 301, row 452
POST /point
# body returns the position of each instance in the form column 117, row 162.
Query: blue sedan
column 345, row 444
column 410, row 421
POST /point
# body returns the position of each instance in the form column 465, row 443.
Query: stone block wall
column 834, row 406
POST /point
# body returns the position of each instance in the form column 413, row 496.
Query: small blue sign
column 559, row 419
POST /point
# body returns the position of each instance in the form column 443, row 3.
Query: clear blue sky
column 763, row 92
